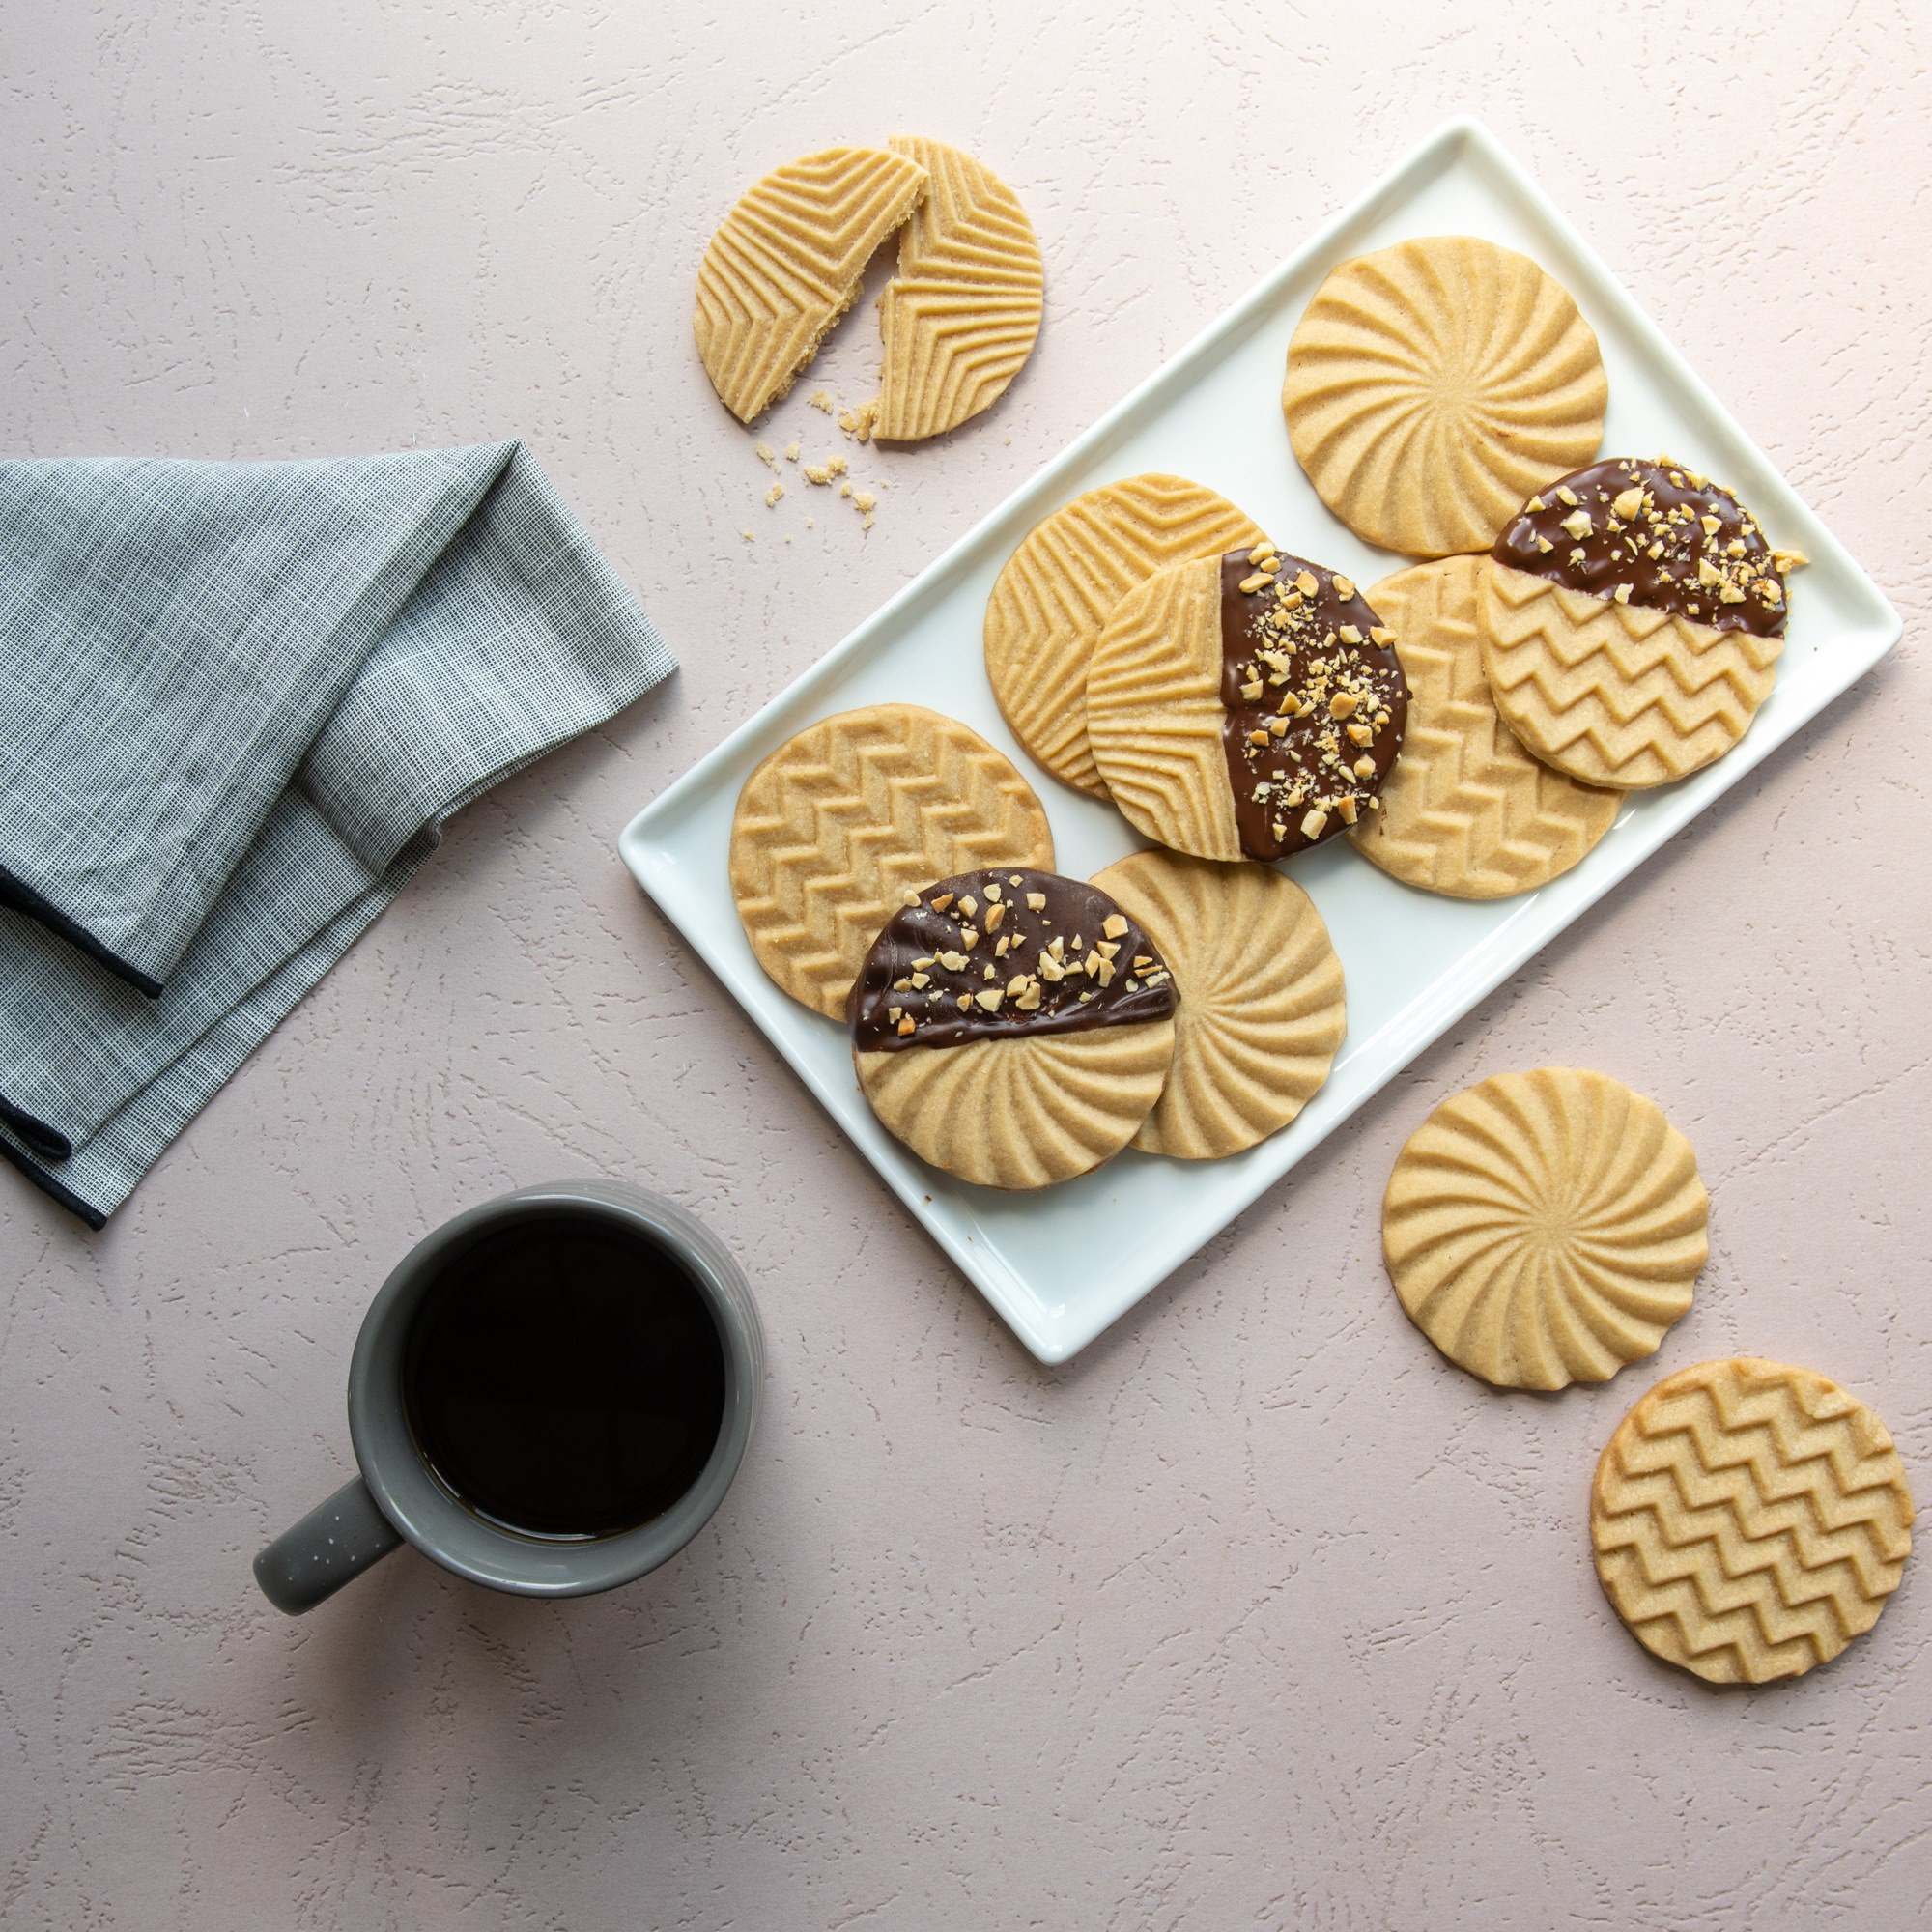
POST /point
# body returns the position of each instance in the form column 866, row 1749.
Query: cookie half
column 1262, row 1012
column 1749, row 1519
column 1466, row 812
column 1012, row 1027
column 1632, row 618
column 1545, row 1228
column 1060, row 585
column 842, row 820
column 786, row 263
column 1247, row 705
column 1432, row 386
column 960, row 317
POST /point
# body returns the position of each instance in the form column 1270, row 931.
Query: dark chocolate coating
column 1311, row 764
column 919, row 940
column 1693, row 567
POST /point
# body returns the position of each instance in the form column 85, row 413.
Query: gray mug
column 397, row 1497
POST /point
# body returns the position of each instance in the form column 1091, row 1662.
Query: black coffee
column 563, row 1378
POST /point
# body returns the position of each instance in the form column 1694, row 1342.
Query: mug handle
column 329, row 1547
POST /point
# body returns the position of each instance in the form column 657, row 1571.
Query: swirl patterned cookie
column 844, row 819
column 1749, row 1519
column 1545, row 1228
column 1433, row 384
column 1012, row 1027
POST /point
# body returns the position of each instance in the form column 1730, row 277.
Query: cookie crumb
column 820, row 399
column 765, row 453
column 772, row 494
column 863, row 501
column 791, row 450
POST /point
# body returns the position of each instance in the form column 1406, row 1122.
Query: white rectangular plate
column 1062, row 1265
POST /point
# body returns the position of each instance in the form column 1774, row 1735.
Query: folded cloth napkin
column 237, row 702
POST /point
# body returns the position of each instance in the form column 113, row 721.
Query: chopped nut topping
column 1115, row 926
column 1313, row 823
column 1036, row 901
column 1250, row 584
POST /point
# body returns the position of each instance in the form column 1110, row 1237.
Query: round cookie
column 960, row 316
column 1545, row 1228
column 1262, row 1005
column 841, row 820
column 1467, row 813
column 1247, row 705
column 1432, row 386
column 1012, row 1027
column 1633, row 617
column 1060, row 586
column 1749, row 1519
column 786, row 263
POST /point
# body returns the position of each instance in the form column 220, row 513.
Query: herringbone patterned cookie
column 1619, row 695
column 786, row 264
column 1154, row 711
column 840, row 821
column 1432, row 386
column 960, row 316
column 1466, row 812
column 1749, row 1519
column 1545, row 1228
column 1059, row 587
column 1262, row 1007
column 1021, row 1113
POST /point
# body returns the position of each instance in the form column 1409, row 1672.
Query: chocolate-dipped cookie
column 1012, row 1027
column 1246, row 705
column 1632, row 616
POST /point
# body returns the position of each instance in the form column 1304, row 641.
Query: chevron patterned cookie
column 1432, row 386
column 1545, row 1228
column 842, row 820
column 960, row 316
column 1012, row 1027
column 1245, row 705
column 1262, row 1007
column 1749, row 1519
column 1632, row 616
column 786, row 263
column 1466, row 812
column 1060, row 585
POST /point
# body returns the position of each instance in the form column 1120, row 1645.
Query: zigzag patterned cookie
column 1062, row 584
column 1545, row 1228
column 842, row 820
column 1261, row 1010
column 961, row 315
column 1432, row 386
column 786, row 264
column 1749, row 1519
column 1617, row 694
column 1466, row 812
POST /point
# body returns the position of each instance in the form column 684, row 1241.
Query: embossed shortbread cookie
column 1262, row 1008
column 842, row 820
column 1545, row 1228
column 1060, row 585
column 1749, row 1519
column 960, row 316
column 1466, row 812
column 1433, row 384
column 1012, row 1027
column 1246, row 705
column 1633, row 617
column 786, row 263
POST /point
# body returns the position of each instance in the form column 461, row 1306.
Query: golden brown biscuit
column 1749, row 1519
column 960, row 317
column 841, row 820
column 1632, row 616
column 1545, row 1228
column 1249, row 704
column 786, row 264
column 1466, row 812
column 1432, row 386
column 1012, row 1027
column 1261, row 1010
column 1060, row 585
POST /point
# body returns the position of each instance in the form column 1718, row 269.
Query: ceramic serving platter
column 1061, row 1264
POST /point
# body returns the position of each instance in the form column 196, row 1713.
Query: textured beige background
column 1257, row 1614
